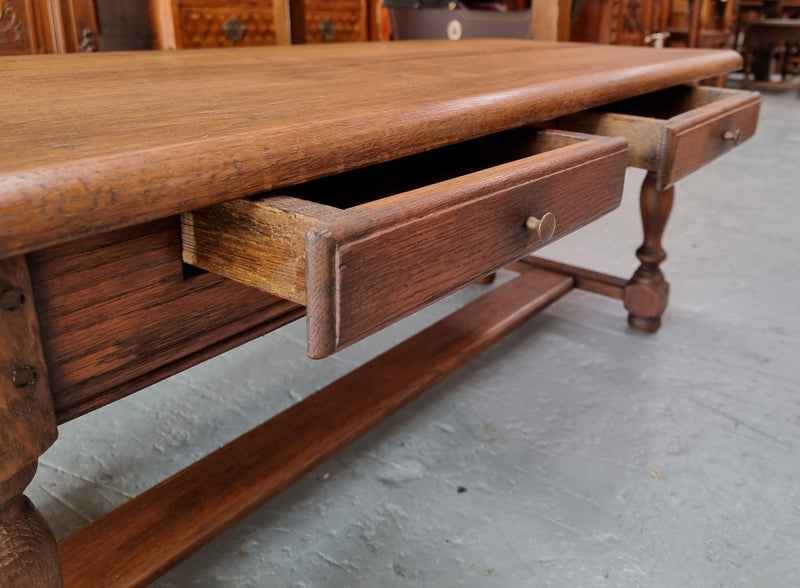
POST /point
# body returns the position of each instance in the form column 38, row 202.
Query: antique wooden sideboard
column 159, row 208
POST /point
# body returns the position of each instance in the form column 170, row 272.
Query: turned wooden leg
column 646, row 293
column 28, row 548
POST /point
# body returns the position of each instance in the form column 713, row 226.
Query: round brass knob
column 735, row 136
column 545, row 226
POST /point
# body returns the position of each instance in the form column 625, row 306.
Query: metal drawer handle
column 234, row 29
column 87, row 42
column 735, row 136
column 328, row 29
column 545, row 226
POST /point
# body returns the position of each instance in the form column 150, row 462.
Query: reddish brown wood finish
column 47, row 26
column 17, row 28
column 100, row 153
column 218, row 23
column 670, row 134
column 28, row 550
column 136, row 137
column 677, row 131
column 27, row 421
column 27, row 427
column 119, row 313
column 585, row 279
column 377, row 262
column 341, row 21
column 646, row 294
column 141, row 539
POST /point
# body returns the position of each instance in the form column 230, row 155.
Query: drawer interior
column 357, row 187
column 666, row 104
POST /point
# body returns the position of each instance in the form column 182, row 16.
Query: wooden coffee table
column 157, row 209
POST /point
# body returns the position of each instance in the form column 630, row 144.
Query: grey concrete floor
column 591, row 456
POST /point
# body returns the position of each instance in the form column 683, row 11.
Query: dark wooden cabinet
column 619, row 22
column 47, row 26
column 673, row 23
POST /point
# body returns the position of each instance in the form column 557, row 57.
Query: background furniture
column 763, row 38
column 98, row 303
column 671, row 23
column 47, row 26
column 183, row 24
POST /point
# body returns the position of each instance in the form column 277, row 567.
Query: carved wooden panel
column 81, row 30
column 47, row 26
column 214, row 23
column 17, row 35
column 620, row 22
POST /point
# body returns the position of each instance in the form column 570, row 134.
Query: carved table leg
column 646, row 293
column 28, row 550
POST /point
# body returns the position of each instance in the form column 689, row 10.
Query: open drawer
column 675, row 131
column 365, row 248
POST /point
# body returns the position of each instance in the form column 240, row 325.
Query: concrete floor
column 586, row 455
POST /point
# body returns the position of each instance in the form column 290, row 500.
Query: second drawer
column 365, row 248
column 675, row 131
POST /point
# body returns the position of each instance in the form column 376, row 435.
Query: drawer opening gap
column 666, row 104
column 360, row 186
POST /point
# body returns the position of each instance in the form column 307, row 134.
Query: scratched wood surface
column 90, row 143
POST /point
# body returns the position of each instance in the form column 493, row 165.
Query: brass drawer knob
column 544, row 226
column 735, row 136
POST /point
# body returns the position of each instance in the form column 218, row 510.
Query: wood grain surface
column 27, row 419
column 90, row 143
column 386, row 259
column 28, row 549
column 138, row 541
column 676, row 131
column 120, row 312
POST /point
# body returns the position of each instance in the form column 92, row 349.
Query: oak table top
column 95, row 142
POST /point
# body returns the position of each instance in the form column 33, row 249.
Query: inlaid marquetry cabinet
column 184, row 24
column 327, row 21
column 228, row 23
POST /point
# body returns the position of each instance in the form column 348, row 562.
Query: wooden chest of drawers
column 209, row 23
column 329, row 21
column 184, row 24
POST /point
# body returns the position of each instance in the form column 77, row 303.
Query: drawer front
column 675, row 131
column 335, row 26
column 700, row 136
column 369, row 265
column 213, row 23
